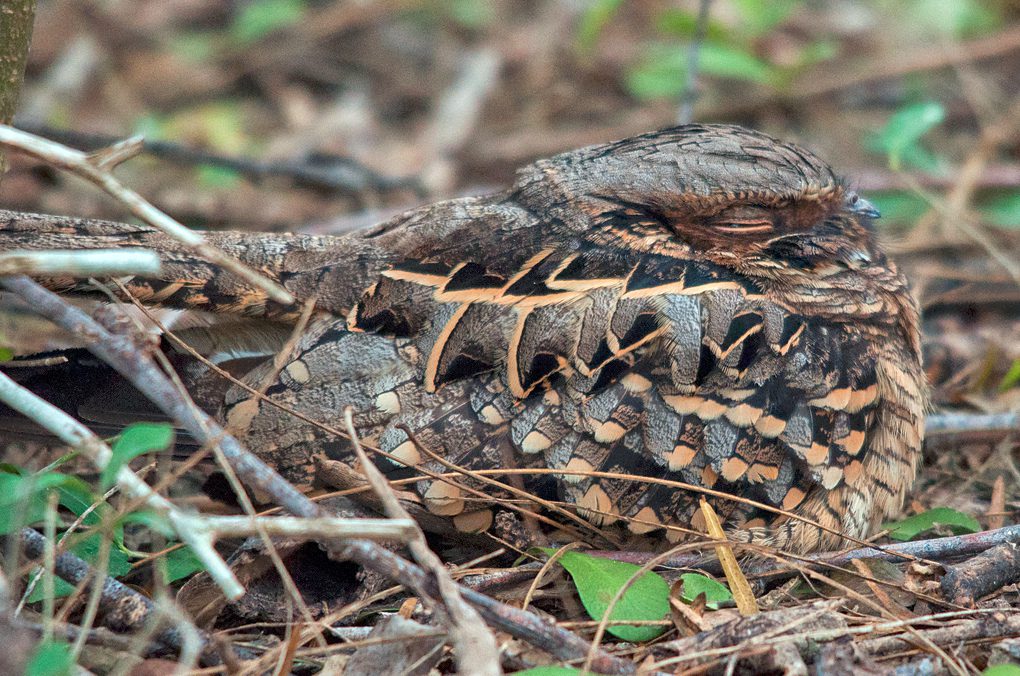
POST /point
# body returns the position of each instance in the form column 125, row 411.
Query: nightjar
column 699, row 308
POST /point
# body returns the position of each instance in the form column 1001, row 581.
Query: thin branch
column 94, row 263
column 934, row 549
column 322, row 528
column 691, row 87
column 85, row 166
column 953, row 422
column 321, row 172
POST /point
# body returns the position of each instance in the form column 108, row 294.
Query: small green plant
column 598, row 580
column 1001, row 208
column 259, row 18
column 135, row 440
column 900, row 138
column 696, row 584
column 25, row 496
column 911, row 527
column 51, row 658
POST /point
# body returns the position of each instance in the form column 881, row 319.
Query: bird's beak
column 856, row 204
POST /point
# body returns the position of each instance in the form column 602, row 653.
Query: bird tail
column 185, row 281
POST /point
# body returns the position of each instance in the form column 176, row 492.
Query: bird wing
column 586, row 358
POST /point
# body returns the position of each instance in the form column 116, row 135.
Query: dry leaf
column 739, row 585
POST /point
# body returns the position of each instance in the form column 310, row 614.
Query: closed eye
column 749, row 226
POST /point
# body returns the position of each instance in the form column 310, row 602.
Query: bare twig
column 85, row 166
column 732, row 638
column 951, row 422
column 336, row 174
column 690, row 93
column 994, row 623
column 320, row 528
column 934, row 549
column 94, row 263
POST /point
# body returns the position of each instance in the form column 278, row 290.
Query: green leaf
column 549, row 671
column 682, row 23
column 77, row 496
column 955, row 18
column 217, row 177
column 472, row 14
column 594, row 19
column 598, row 580
column 696, row 584
column 23, row 498
column 1012, row 376
column 51, row 658
column 61, row 590
column 1001, row 208
column 259, row 18
column 760, row 17
column 117, row 563
column 1002, row 670
column 732, row 62
column 181, row 563
column 662, row 72
column 195, row 47
column 913, row 526
column 6, row 354
column 898, row 138
column 134, row 441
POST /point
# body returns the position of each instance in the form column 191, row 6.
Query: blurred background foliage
column 447, row 97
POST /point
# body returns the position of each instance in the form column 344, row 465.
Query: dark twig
column 123, row 355
column 996, row 625
column 690, row 93
column 988, row 572
column 331, row 173
column 934, row 549
column 123, row 608
column 97, row 169
column 952, row 422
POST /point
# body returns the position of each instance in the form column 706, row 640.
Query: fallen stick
column 978, row 577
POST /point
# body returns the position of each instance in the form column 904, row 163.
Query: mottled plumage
column 703, row 304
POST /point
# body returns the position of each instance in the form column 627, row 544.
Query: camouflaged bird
column 703, row 306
